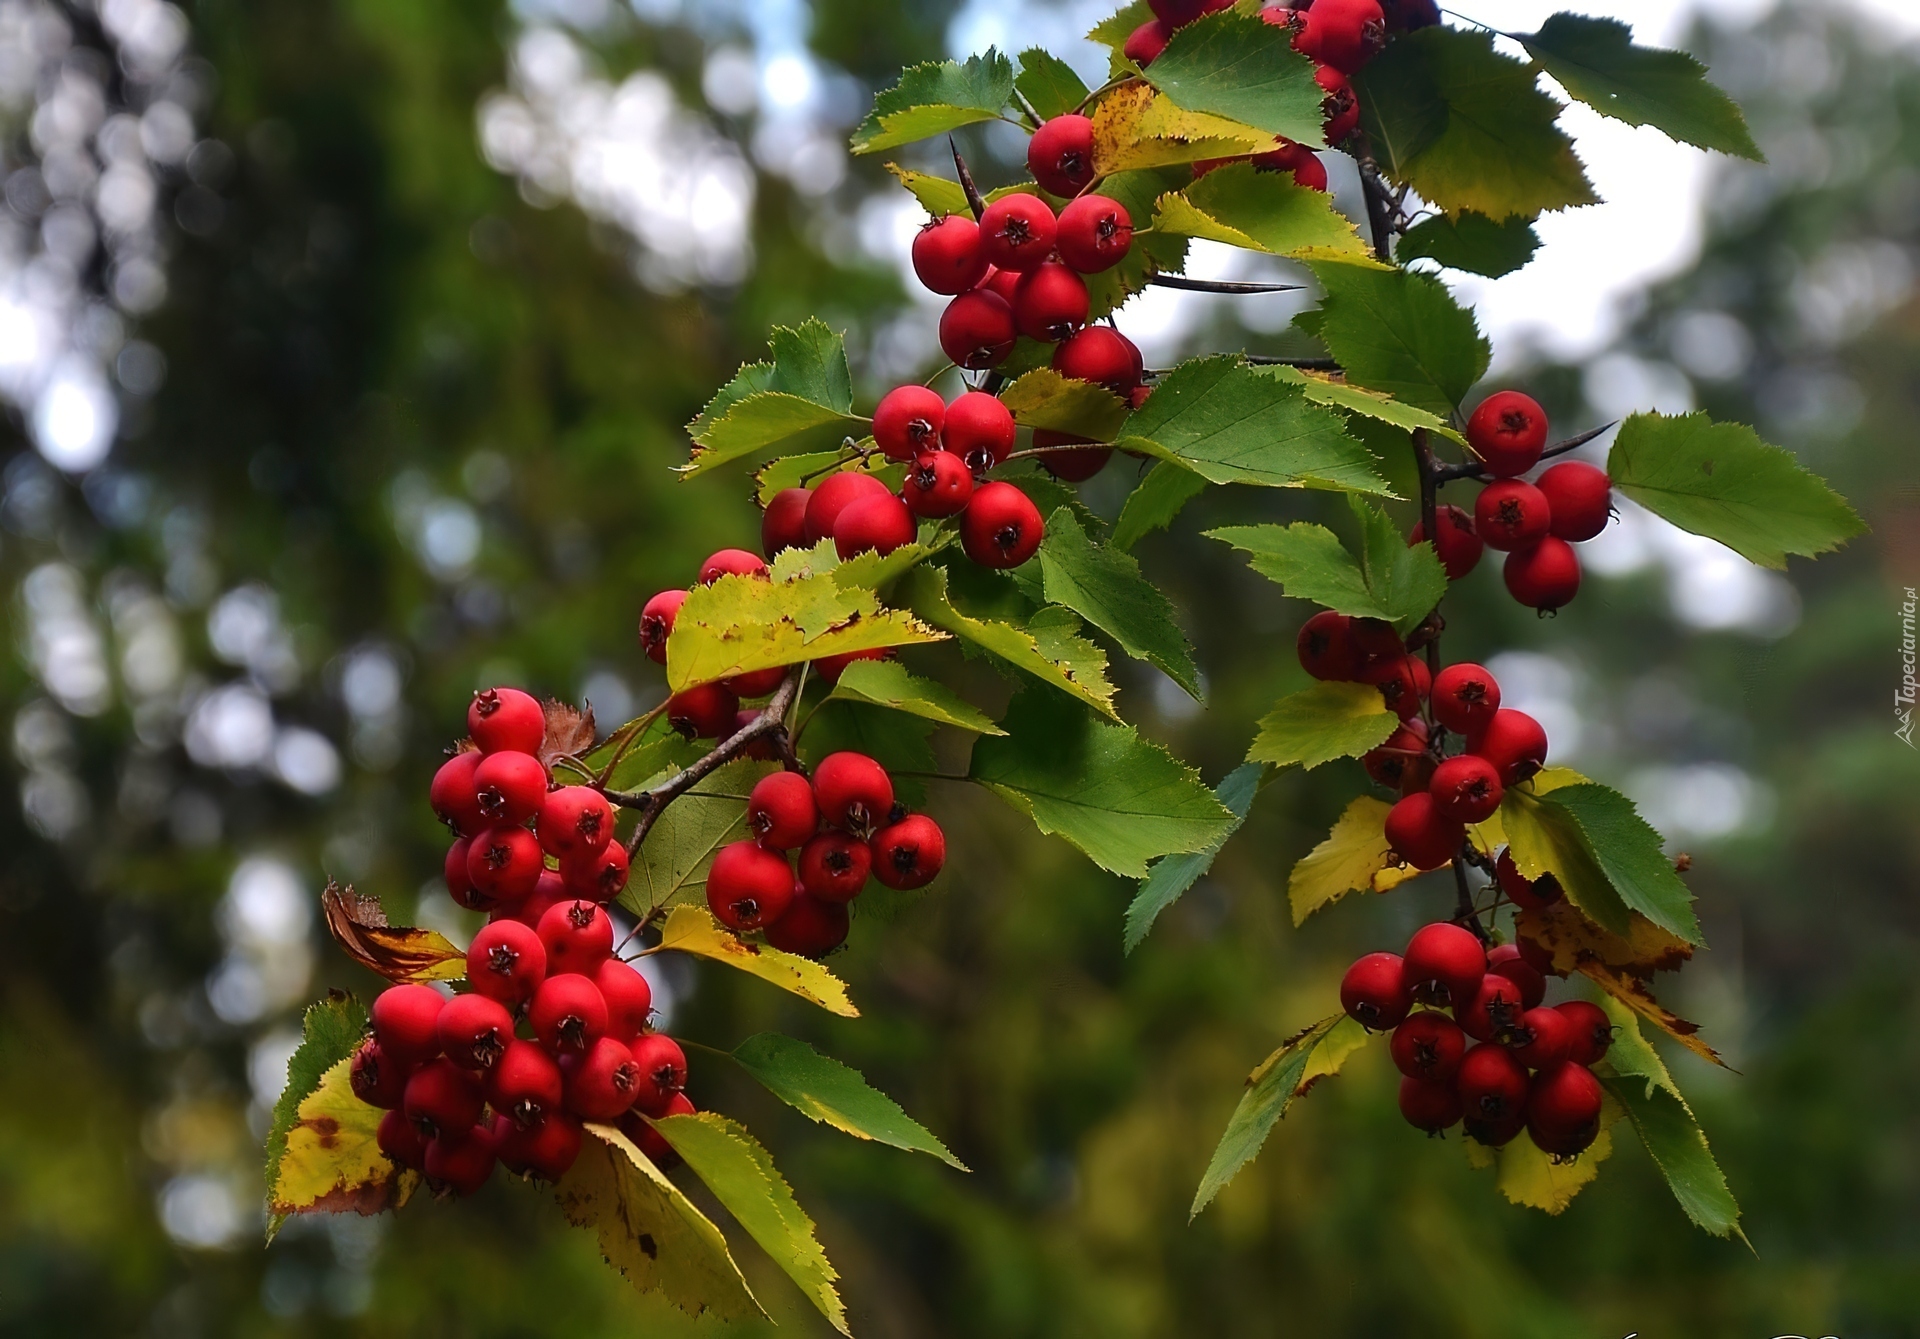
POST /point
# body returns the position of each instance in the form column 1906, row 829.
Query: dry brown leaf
column 569, row 731
column 399, row 953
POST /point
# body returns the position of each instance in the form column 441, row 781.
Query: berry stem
column 1103, row 90
column 1028, row 110
column 1473, row 469
column 628, row 734
column 1380, row 208
column 1464, row 912
column 1214, row 285
column 974, row 202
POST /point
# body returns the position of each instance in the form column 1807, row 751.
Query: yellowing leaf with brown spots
column 692, row 929
column 1136, row 126
column 333, row 1162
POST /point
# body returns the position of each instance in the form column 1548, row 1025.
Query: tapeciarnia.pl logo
column 1903, row 697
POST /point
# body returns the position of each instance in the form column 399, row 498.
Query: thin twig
column 1473, row 469
column 847, row 445
column 1304, row 364
column 631, row 733
column 1216, row 285
column 1104, row 89
column 1030, row 452
column 974, row 202
column 1464, row 912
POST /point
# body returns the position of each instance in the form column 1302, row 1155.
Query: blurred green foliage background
column 413, row 435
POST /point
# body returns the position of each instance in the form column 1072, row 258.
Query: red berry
column 1432, row 1107
column 979, row 429
column 1060, row 154
column 834, row 866
column 603, row 1082
column 1403, row 682
column 1372, row 992
column 1592, row 1031
column 505, row 961
column 1465, row 697
column 1514, row 743
column 1444, row 963
column 1326, row 646
column 812, row 927
column 1340, row 108
column 784, row 523
column 1580, row 496
column 1493, row 1010
column 401, row 1142
column 1527, row 894
column 377, row 1080
column 406, row 1023
column 1535, row 956
column 506, row 719
column 629, row 999
column 567, row 1014
column 1491, row 1083
column 830, row 668
column 755, row 683
column 1418, row 833
column 459, row 882
column 705, row 711
column 1563, row 1109
column 442, row 1096
column 1302, row 162
column 574, row 818
column 1099, row 354
column 461, row 1163
column 1177, row 13
column 504, row 863
column 546, row 1149
column 597, row 876
column 1001, row 283
column 547, row 890
column 510, row 787
column 947, row 256
column 731, row 563
column 748, row 886
column 781, row 812
column 835, row 494
column 909, row 853
column 1375, row 641
column 1343, row 33
column 1095, row 234
column 1510, row 961
column 1508, row 431
column 1074, row 464
column 907, row 421
column 1016, row 232
column 1001, row 527
column 873, row 525
column 474, row 1030
column 1510, row 514
column 1391, row 762
column 938, row 484
column 854, row 793
column 524, row 1084
column 1428, row 1046
column 1050, row 302
column 1495, row 1133
column 1542, row 1037
column 578, row 936
column 663, row 1072
column 977, row 329
column 454, row 796
column 1459, row 546
column 1465, row 789
column 760, row 750
column 1146, row 42
column 656, row 622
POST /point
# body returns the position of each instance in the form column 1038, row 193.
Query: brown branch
column 1379, row 208
column 1464, row 912
column 974, row 202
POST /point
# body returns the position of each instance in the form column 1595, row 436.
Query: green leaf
column 1466, row 126
column 938, row 196
column 1722, row 481
column 1358, row 400
column 1155, row 501
column 936, row 97
column 649, row 1230
column 330, row 1032
column 824, row 1090
column 810, row 361
column 691, row 929
column 1229, row 423
column 1637, row 1079
column 1172, row 875
column 1544, row 839
column 1471, row 242
column 740, row 1173
column 1043, row 398
column 1049, row 83
column 1595, row 61
column 671, row 866
column 1112, row 32
column 1104, row 586
column 1121, row 799
column 1394, row 580
column 897, row 741
column 1259, row 211
column 1399, row 333
column 1234, row 64
column 802, row 401
column 1345, row 862
column 886, row 683
column 1286, row 1074
column 1048, row 647
column 1627, row 850
column 1321, row 723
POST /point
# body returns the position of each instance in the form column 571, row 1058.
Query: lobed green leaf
column 1172, row 875
column 1321, row 723
column 1234, row 64
column 1347, row 861
column 330, row 1031
column 1155, row 501
column 887, row 683
column 1399, row 333
column 934, row 98
column 1104, row 586
column 825, row 1090
column 1259, row 211
column 1049, row 83
column 1470, row 241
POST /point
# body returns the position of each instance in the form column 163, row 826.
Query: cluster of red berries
column 553, row 1033
column 1528, row 1064
column 843, row 826
column 1535, row 524
column 490, row 792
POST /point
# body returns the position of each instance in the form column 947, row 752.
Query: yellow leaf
column 1528, row 1176
column 333, row 1161
column 692, row 929
column 1137, row 126
column 1341, row 1041
column 1348, row 859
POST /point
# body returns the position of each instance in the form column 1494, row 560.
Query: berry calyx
column 1581, row 497
column 510, row 787
column 977, row 329
column 1428, row 1046
column 567, row 1014
column 656, row 623
column 1326, row 648
column 979, row 429
column 834, row 867
column 1403, row 682
column 812, row 927
column 1592, row 1031
column 1510, row 514
column 597, row 876
column 1419, row 834
column 1060, row 154
column 1459, row 546
column 1508, row 431
column 1563, row 1109
column 833, row 495
column 1001, row 528
column 1444, row 963
column 907, row 421
column 474, row 1030
column 663, row 1072
column 1465, row 789
column 1493, row 1010
column 506, row 719
column 1050, row 302
column 1432, row 1107
column 1514, row 743
column 938, row 484
column 406, row 1023
column 376, row 1078
column 628, row 996
column 1392, row 762
column 545, row 1149
column 524, row 1084
column 704, row 711
column 947, row 256
column 878, row 524
column 603, row 1082
column 578, row 936
column 1527, row 894
column 784, row 523
column 506, row 962
column 1094, row 234
column 1099, row 354
column 748, row 886
column 854, row 793
column 1464, row 698
column 1016, row 232
column 574, row 818
column 1374, row 993
column 908, row 854
column 1340, row 108
column 504, row 864
column 455, row 798
column 781, row 812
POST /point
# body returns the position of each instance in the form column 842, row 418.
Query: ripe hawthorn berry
column 459, row 882
column 1001, row 527
column 1071, row 463
column 1541, row 1038
column 1592, row 1031
column 909, row 853
column 1508, row 431
column 1580, row 496
column 629, row 999
column 979, row 429
column 1303, row 163
column 1493, row 1010
column 1510, row 961
column 1419, row 834
column 1001, row 283
column 1373, row 992
column 574, row 818
column 1099, row 354
column 1343, row 33
column 400, row 1142
column 1050, row 302
column 597, row 876
column 907, row 421
column 474, row 1031
column 663, row 1072
column 1510, row 514
column 1459, row 547
column 1094, row 234
column 578, row 936
column 834, row 867
column 834, row 494
column 1432, row 1107
column 854, row 793
column 947, row 256
column 1543, row 577
column 455, row 798
column 441, row 1096
column 656, row 622
column 878, row 524
column 1495, row 1133
column 567, row 1014
column 731, row 563
column 830, row 668
column 1465, row 789
column 376, row 1079
column 460, row 1163
column 524, row 1084
column 938, row 484
column 784, row 523
column 1465, row 697
column 704, row 711
column 977, row 329
column 811, row 927
column 504, row 863
column 1060, row 154
column 1563, row 1109
column 603, row 1082
column 406, row 1023
column 1428, row 1046
column 1527, row 894
column 1177, row 13
column 1340, row 108
column 1514, row 743
column 510, row 787
column 1391, row 763
column 545, row 1149
column 1326, row 646
column 748, row 886
column 781, row 812
column 506, row 720
column 755, row 683
column 1145, row 43
column 1403, row 682
column 547, row 890
column 1443, row 963
column 1491, row 1083
column 1016, row 232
